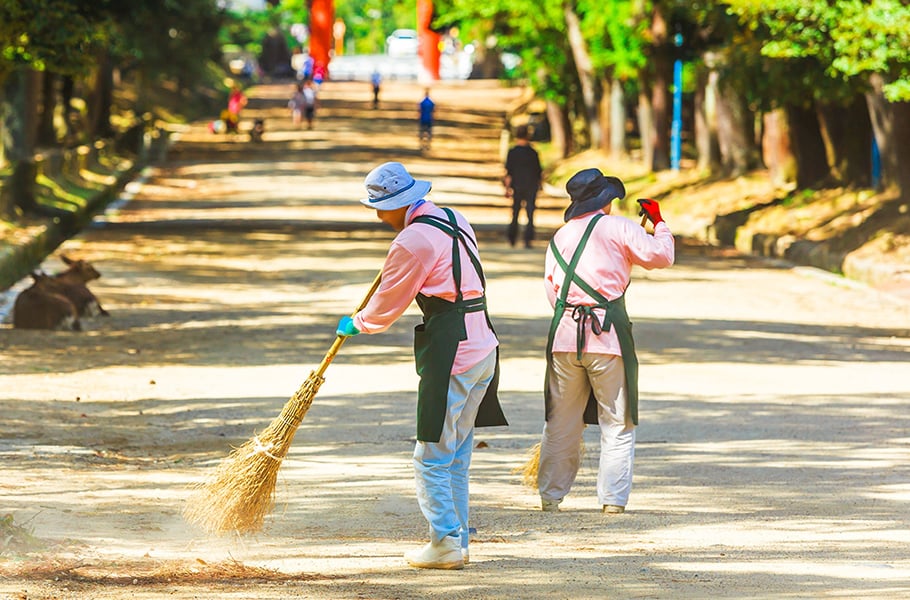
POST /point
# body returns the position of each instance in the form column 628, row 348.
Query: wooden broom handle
column 339, row 340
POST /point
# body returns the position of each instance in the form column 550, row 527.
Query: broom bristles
column 528, row 470
column 531, row 467
column 240, row 492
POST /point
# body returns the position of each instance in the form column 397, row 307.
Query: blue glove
column 346, row 327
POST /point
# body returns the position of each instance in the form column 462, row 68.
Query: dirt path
column 772, row 457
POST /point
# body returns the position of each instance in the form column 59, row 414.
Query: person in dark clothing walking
column 522, row 180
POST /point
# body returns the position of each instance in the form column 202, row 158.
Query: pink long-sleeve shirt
column 615, row 245
column 420, row 261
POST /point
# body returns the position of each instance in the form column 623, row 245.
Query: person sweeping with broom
column 592, row 370
column 434, row 259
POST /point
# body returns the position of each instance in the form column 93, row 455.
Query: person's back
column 427, row 107
column 297, row 104
column 376, row 80
column 425, row 132
column 522, row 180
column 309, row 96
column 523, row 167
column 309, row 102
column 236, row 101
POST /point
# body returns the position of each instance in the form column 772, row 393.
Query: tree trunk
column 901, row 112
column 585, row 74
column 47, row 134
column 706, row 142
column 777, row 152
column 891, row 126
column 646, row 124
column 662, row 62
column 18, row 111
column 67, row 90
column 812, row 168
column 102, row 97
column 558, row 130
column 617, row 119
column 735, row 132
column 847, row 134
column 604, row 114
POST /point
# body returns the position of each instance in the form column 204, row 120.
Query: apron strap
column 451, row 228
column 569, row 268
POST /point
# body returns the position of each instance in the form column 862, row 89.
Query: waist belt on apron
column 436, row 342
column 615, row 316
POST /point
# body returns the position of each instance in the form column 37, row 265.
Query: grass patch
column 16, row 538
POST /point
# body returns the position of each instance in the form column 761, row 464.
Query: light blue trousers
column 441, row 468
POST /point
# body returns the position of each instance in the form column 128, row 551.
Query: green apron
column 615, row 315
column 436, row 343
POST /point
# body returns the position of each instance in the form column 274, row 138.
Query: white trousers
column 441, row 468
column 571, row 382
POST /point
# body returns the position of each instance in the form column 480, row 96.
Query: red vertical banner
column 322, row 20
column 429, row 40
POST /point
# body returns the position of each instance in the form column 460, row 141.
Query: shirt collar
column 421, row 207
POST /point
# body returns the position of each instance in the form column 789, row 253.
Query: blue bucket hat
column 390, row 186
column 591, row 190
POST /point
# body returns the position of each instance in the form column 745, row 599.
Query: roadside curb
column 890, row 277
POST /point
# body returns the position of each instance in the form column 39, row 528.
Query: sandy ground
column 772, row 456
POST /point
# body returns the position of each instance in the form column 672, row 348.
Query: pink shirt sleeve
column 403, row 276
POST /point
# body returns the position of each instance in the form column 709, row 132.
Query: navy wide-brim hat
column 390, row 186
column 591, row 190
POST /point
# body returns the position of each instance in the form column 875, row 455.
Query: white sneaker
column 445, row 555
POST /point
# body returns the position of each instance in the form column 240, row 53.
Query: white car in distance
column 402, row 42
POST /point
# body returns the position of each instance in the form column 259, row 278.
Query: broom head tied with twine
column 241, row 490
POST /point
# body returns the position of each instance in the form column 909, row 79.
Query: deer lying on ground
column 74, row 280
column 45, row 306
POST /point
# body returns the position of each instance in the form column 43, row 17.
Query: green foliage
column 616, row 35
column 248, row 28
column 535, row 30
column 830, row 48
column 68, row 36
column 16, row 538
column 875, row 38
column 164, row 38
column 369, row 22
column 63, row 35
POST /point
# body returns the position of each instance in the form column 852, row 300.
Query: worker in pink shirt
column 592, row 370
column 434, row 259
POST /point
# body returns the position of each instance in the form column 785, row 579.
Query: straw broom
column 529, row 469
column 241, row 491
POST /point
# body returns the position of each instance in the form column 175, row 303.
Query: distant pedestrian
column 319, row 73
column 306, row 68
column 309, row 102
column 427, row 106
column 522, row 180
column 231, row 116
column 297, row 104
column 376, row 81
